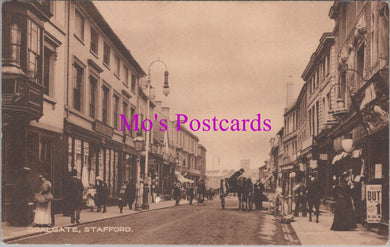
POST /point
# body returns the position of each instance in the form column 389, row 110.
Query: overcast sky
column 225, row 59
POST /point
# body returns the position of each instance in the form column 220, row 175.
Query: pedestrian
column 257, row 195
column 101, row 194
column 122, row 197
column 130, row 194
column 300, row 199
column 43, row 199
column 344, row 217
column 67, row 195
column 91, row 193
column 314, row 197
column 177, row 193
column 191, row 194
column 75, row 200
column 20, row 197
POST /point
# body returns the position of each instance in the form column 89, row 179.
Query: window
column 105, row 104
column 79, row 25
column 12, row 40
column 117, row 66
column 327, row 67
column 78, row 73
column 124, row 106
column 48, row 70
column 132, row 112
column 94, row 41
column 360, row 65
column 92, row 103
column 126, row 76
column 116, row 106
column 106, row 55
column 133, row 82
column 34, row 50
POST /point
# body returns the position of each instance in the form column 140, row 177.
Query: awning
column 183, row 179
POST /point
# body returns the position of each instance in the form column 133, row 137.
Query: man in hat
column 76, row 197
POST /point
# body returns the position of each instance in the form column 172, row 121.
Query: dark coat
column 75, row 186
column 130, row 192
column 101, row 194
column 344, row 217
column 314, row 191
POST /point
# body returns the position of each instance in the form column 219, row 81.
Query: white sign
column 378, row 171
column 374, row 202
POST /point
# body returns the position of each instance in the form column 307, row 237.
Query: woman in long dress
column 43, row 209
column 344, row 218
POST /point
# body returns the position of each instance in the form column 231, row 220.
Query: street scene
column 195, row 123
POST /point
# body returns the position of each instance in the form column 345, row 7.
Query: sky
column 227, row 60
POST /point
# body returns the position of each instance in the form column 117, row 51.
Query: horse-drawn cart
column 243, row 187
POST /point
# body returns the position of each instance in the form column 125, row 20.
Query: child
column 122, row 197
column 91, row 196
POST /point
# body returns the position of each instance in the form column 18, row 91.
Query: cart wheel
column 223, row 202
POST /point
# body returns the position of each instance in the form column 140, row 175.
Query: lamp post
column 145, row 204
column 139, row 146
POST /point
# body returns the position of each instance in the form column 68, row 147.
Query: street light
column 165, row 90
column 139, row 146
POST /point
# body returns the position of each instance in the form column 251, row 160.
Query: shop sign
column 374, row 202
column 287, row 167
column 103, row 128
column 323, row 156
column 378, row 171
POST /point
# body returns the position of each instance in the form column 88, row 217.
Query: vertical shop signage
column 374, row 202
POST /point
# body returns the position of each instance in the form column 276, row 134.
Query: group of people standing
column 72, row 199
column 310, row 195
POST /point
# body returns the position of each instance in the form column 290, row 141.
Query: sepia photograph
column 195, row 122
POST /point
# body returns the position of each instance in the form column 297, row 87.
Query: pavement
column 312, row 233
column 10, row 233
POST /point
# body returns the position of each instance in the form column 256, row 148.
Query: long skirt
column 43, row 214
column 344, row 218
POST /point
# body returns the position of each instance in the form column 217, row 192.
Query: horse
column 245, row 193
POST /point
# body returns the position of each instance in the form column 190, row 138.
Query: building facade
column 33, row 74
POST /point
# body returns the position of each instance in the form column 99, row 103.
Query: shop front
column 92, row 155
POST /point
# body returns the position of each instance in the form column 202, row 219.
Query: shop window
column 79, row 25
column 94, row 41
column 92, row 103
column 106, row 55
column 78, row 73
